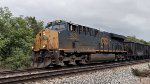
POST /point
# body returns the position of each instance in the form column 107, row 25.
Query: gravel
column 119, row 75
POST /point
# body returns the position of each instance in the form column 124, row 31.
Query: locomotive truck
column 67, row 43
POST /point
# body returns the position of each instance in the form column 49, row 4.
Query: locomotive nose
column 46, row 39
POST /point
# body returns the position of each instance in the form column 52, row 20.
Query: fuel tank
column 101, row 57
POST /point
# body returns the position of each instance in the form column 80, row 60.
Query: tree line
column 134, row 39
column 16, row 38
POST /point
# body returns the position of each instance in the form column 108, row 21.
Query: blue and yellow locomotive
column 66, row 43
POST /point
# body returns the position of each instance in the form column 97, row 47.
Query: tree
column 134, row 39
column 16, row 38
column 149, row 43
column 35, row 25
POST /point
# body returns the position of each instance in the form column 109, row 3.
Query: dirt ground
column 1, row 69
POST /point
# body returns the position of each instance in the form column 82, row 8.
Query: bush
column 18, row 60
column 142, row 73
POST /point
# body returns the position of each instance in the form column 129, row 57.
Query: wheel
column 78, row 62
column 66, row 63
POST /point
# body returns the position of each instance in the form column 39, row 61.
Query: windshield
column 58, row 27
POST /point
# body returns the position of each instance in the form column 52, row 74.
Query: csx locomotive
column 67, row 43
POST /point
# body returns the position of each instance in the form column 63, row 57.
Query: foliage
column 2, row 41
column 16, row 37
column 35, row 25
column 134, row 39
column 17, row 59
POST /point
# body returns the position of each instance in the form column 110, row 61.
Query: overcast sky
column 126, row 17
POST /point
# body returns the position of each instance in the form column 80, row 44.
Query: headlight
column 32, row 47
column 44, row 33
column 44, row 46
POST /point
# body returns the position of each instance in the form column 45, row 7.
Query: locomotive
column 67, row 43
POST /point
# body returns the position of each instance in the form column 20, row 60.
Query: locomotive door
column 104, row 43
column 75, row 41
column 75, row 45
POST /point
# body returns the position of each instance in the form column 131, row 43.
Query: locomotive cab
column 46, row 44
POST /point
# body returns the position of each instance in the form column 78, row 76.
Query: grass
column 141, row 73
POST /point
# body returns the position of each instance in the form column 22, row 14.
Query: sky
column 125, row 17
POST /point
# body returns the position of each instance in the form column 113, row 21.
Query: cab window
column 72, row 28
column 58, row 27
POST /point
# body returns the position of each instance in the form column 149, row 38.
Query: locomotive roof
column 63, row 21
column 117, row 36
column 111, row 34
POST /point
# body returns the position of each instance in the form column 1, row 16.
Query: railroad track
column 49, row 73
column 11, row 72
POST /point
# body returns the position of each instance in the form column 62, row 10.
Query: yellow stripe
column 94, row 50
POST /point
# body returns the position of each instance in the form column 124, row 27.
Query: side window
column 72, row 28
